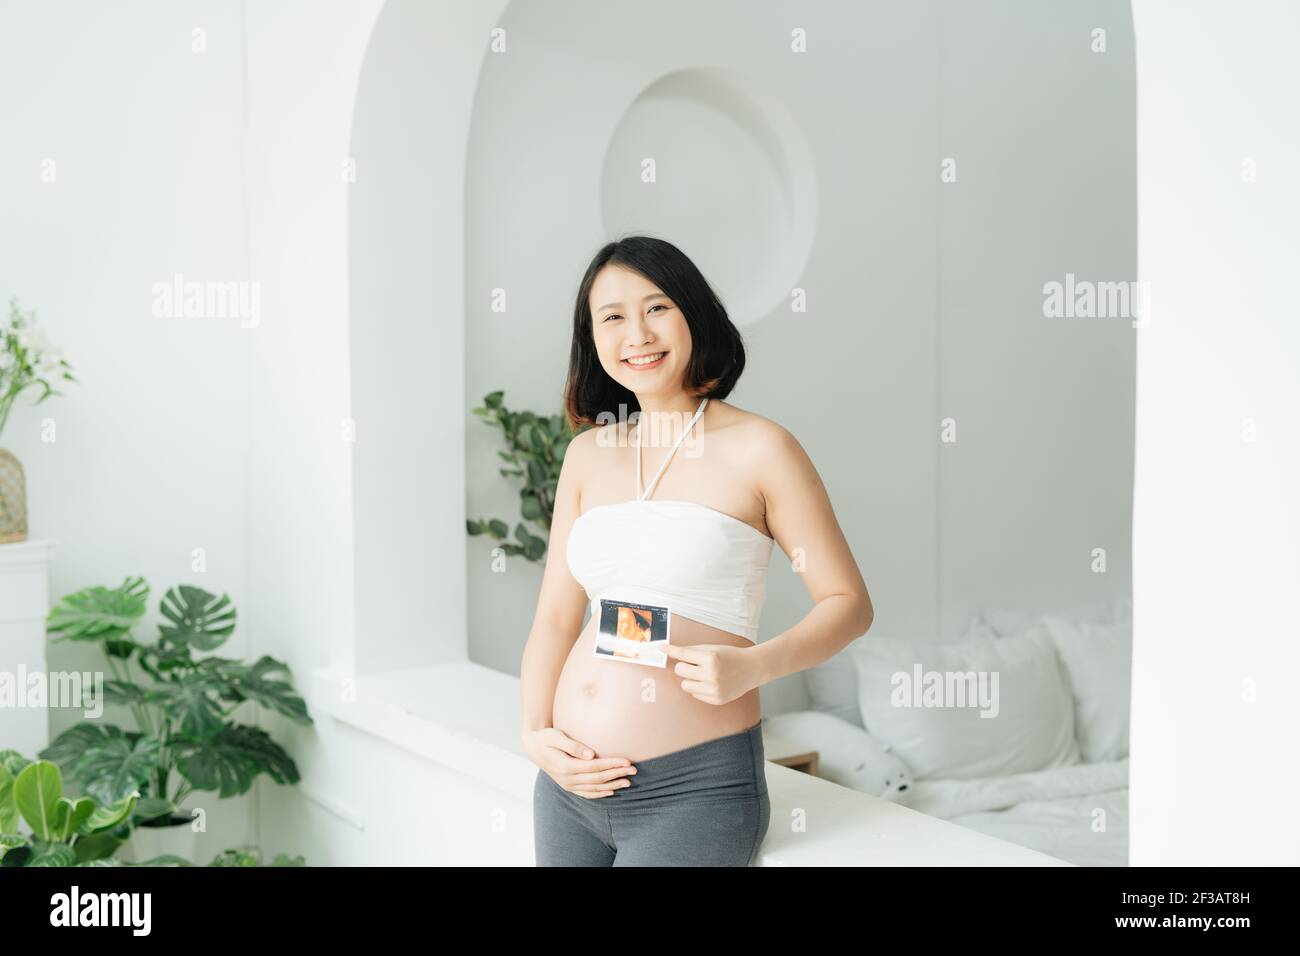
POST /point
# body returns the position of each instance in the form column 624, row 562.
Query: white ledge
column 28, row 554
column 466, row 717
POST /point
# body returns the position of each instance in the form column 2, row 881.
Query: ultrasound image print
column 633, row 624
column 633, row 632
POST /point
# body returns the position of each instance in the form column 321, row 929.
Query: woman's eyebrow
column 615, row 305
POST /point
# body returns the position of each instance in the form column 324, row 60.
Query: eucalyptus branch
column 535, row 448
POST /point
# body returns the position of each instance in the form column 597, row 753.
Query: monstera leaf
column 193, row 696
column 125, row 692
column 113, row 770
column 69, row 747
column 200, row 620
column 265, row 682
column 100, row 613
column 161, row 659
column 230, row 761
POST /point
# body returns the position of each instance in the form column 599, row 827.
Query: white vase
column 178, row 839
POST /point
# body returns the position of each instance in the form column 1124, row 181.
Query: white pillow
column 1098, row 661
column 1018, row 680
column 832, row 685
column 846, row 754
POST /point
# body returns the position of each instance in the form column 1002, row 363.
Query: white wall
column 303, row 62
column 1216, row 571
column 407, row 263
column 150, row 460
column 304, row 59
column 1042, row 131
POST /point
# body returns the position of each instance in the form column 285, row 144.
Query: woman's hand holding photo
column 716, row 673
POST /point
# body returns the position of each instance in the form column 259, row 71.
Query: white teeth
column 645, row 359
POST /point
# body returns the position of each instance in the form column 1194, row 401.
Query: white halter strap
column 641, row 496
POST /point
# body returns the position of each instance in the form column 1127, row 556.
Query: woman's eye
column 615, row 315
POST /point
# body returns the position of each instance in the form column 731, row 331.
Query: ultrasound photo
column 635, row 633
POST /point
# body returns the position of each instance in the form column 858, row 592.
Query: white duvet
column 1077, row 813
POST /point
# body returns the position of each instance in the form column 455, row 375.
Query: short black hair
column 717, row 349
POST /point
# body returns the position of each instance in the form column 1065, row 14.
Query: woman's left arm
column 800, row 517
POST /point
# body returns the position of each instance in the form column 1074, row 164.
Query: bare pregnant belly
column 620, row 709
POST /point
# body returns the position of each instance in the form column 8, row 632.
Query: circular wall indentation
column 732, row 185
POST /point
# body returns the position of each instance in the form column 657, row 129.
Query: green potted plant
column 27, row 360
column 64, row 831
column 252, row 856
column 186, row 737
column 535, row 447
column 79, row 831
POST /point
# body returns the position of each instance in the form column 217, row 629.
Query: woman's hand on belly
column 565, row 761
column 715, row 673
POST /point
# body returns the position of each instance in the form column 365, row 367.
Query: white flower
column 39, row 343
column 38, row 346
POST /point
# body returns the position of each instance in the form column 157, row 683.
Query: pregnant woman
column 642, row 765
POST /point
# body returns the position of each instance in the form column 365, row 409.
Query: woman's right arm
column 560, row 603
column 556, row 626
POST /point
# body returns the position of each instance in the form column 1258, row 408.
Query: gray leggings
column 705, row 805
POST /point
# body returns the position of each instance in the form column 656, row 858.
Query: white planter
column 24, row 604
column 148, row 842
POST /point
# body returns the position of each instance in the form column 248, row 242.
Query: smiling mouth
column 645, row 361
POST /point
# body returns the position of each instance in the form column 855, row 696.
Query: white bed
column 1049, row 773
column 1078, row 813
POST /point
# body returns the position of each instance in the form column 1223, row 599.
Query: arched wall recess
column 734, row 183
column 406, row 240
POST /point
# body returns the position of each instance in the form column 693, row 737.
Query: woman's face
column 632, row 319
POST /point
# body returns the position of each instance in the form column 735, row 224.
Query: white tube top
column 701, row 563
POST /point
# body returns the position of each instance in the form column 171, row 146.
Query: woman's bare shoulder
column 577, row 454
column 768, row 453
column 580, row 455
column 758, row 432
